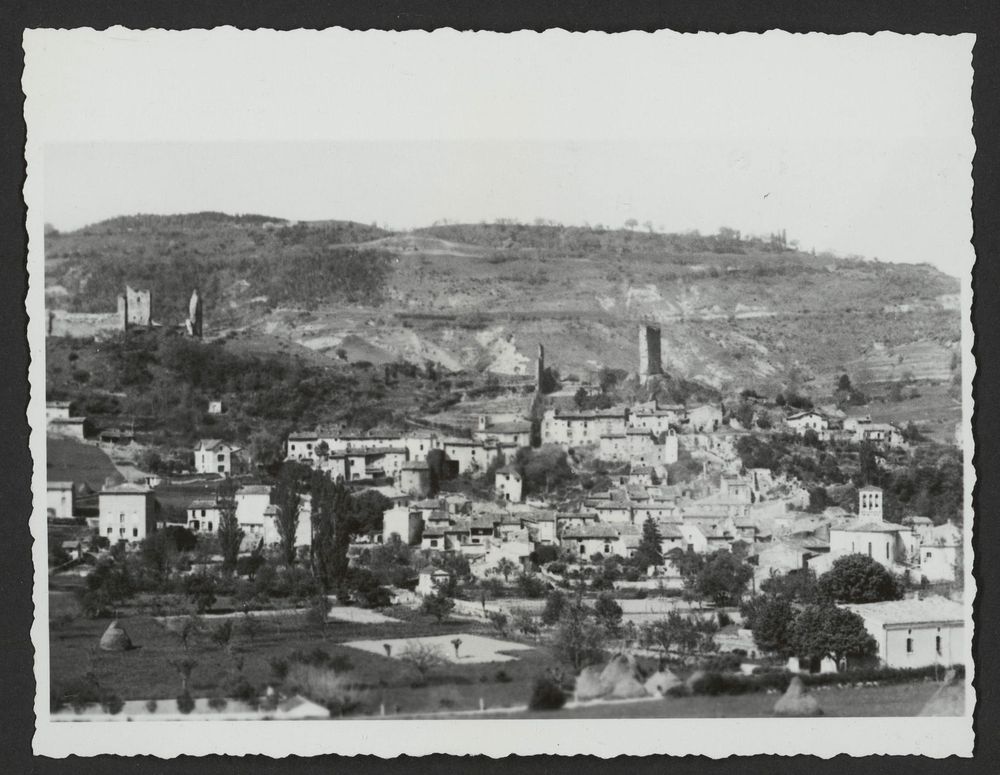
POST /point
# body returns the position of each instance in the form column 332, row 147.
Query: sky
column 857, row 144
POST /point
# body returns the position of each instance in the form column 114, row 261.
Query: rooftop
column 912, row 611
column 871, row 527
column 126, row 488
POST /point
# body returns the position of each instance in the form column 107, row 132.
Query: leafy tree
column 857, row 578
column 723, row 578
column 580, row 398
column 229, row 532
column 543, row 468
column 549, row 381
column 184, row 668
column 222, row 634
column 289, row 501
column 824, row 630
column 529, row 585
column 608, row 613
column 505, row 567
column 555, row 605
column 201, row 589
column 648, row 552
column 844, row 383
column 437, row 605
column 772, row 623
column 796, row 586
column 332, row 525
column 688, row 634
column 499, row 621
column 579, row 640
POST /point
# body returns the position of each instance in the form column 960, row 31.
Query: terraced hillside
column 735, row 312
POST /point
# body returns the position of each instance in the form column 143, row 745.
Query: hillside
column 735, row 312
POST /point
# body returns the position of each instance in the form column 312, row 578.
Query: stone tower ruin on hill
column 194, row 319
column 135, row 308
column 540, row 368
column 649, row 352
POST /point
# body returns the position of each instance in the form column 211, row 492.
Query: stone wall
column 83, row 325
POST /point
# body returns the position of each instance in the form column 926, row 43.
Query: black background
column 17, row 682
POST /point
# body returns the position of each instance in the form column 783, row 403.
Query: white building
column 704, row 418
column 57, row 410
column 516, row 433
column 885, row 542
column 127, row 512
column 59, row 500
column 212, row 456
column 402, row 521
column 940, row 552
column 508, row 484
column 915, row 633
column 581, row 428
column 203, row 516
column 810, row 420
column 302, row 446
column 252, row 502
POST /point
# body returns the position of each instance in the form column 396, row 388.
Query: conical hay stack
column 796, row 701
column 115, row 638
column 622, row 677
column 589, row 685
column 660, row 683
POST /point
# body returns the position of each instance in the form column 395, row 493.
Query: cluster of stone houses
column 828, row 427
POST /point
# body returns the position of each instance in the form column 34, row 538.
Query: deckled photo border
column 717, row 738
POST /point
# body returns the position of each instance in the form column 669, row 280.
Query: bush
column 185, row 703
column 678, row 690
column 547, row 695
column 503, row 677
column 218, row 703
column 722, row 663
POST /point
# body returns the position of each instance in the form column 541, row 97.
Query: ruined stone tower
column 649, row 352
column 193, row 322
column 138, row 308
column 540, row 368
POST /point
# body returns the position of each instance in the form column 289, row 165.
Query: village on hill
column 565, row 542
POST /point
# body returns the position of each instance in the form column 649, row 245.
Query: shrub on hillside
column 547, row 694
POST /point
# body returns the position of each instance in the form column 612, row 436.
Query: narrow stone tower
column 649, row 352
column 540, row 368
column 193, row 323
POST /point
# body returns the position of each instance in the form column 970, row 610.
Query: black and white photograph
column 417, row 384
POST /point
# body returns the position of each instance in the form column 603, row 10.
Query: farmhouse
column 915, row 633
column 57, row 410
column 213, row 456
column 203, row 515
column 585, row 541
column 72, row 427
column 127, row 512
column 704, row 418
column 403, row 522
column 508, row 484
column 810, row 420
column 252, row 502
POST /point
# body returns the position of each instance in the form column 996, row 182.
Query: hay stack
column 796, row 701
column 621, row 676
column 662, row 682
column 115, row 638
column 589, row 685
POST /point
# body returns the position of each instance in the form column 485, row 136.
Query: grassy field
column 145, row 672
column 898, row 700
column 68, row 460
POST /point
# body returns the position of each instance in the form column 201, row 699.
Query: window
column 937, row 645
column 909, row 645
column 434, row 542
column 209, row 527
column 194, row 525
column 887, row 551
column 203, row 512
column 109, row 531
column 121, row 518
column 869, row 548
column 121, row 531
column 607, row 548
column 928, row 556
column 221, row 458
column 135, row 532
column 582, row 549
column 222, row 469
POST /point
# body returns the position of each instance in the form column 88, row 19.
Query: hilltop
column 735, row 311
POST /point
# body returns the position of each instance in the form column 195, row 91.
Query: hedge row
column 714, row 683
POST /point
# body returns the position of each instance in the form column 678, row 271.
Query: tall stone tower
column 649, row 352
column 138, row 308
column 194, row 319
column 870, row 504
column 540, row 368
